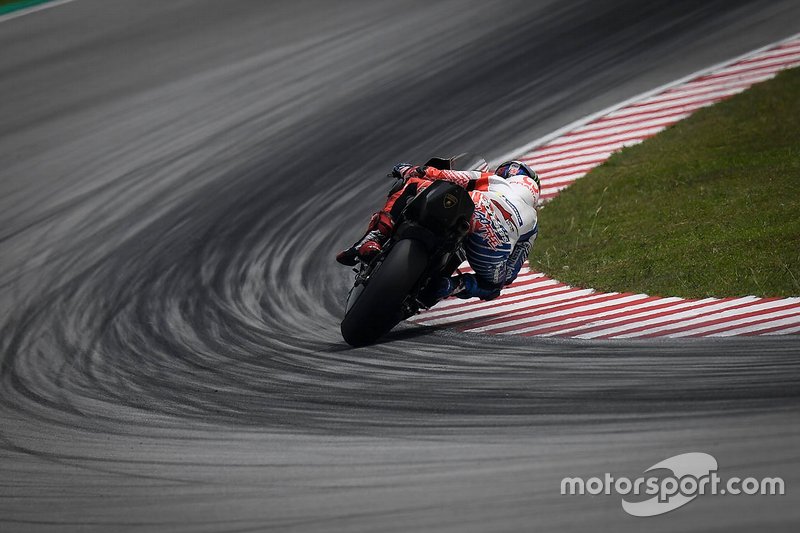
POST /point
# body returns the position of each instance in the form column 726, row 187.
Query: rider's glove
column 472, row 289
column 406, row 170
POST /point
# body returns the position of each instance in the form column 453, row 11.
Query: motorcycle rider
column 502, row 230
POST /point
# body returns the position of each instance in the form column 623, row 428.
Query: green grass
column 6, row 6
column 708, row 207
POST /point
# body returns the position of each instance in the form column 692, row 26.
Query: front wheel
column 378, row 306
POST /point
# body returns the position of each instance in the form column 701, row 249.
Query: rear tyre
column 378, row 306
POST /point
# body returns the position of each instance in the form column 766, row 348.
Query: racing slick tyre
column 378, row 306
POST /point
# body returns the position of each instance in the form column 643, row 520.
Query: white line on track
column 626, row 124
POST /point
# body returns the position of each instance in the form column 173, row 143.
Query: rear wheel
column 378, row 306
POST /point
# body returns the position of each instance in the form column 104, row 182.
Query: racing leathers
column 502, row 230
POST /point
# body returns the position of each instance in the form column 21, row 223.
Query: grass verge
column 708, row 207
column 7, row 6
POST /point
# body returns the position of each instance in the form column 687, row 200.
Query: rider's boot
column 378, row 232
column 441, row 288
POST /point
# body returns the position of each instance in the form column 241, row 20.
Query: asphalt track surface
column 175, row 178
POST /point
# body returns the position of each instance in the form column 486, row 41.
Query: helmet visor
column 516, row 168
column 506, row 170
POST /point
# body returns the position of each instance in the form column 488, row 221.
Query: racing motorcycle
column 426, row 245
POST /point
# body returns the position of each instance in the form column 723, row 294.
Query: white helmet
column 523, row 180
column 526, row 188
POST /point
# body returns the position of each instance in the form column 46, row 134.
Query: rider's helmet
column 522, row 179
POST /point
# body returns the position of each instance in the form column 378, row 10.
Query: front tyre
column 379, row 305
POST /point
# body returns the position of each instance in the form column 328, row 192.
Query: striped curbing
column 536, row 305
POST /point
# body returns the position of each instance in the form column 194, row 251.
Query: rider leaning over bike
column 501, row 234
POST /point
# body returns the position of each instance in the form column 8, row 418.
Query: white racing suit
column 502, row 232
